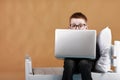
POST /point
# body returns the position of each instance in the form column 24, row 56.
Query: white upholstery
column 55, row 73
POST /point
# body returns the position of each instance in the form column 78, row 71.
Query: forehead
column 77, row 20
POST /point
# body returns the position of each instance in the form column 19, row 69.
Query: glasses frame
column 79, row 26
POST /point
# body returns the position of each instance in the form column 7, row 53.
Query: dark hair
column 78, row 15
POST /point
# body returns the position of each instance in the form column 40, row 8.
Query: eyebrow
column 78, row 24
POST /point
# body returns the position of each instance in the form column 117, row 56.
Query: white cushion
column 104, row 41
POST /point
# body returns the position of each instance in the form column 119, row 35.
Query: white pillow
column 104, row 41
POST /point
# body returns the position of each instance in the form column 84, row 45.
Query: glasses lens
column 80, row 25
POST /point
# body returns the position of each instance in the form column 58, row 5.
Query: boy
column 78, row 21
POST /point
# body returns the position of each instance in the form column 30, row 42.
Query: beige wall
column 27, row 27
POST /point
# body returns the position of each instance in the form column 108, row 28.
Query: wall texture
column 27, row 27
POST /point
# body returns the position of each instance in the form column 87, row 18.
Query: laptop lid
column 75, row 43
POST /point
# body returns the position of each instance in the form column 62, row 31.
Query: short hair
column 78, row 15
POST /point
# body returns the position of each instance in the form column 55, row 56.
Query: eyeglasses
column 79, row 26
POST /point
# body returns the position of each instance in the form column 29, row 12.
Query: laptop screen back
column 75, row 43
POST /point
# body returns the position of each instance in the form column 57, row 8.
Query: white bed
column 55, row 73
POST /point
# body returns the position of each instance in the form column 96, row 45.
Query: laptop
column 75, row 43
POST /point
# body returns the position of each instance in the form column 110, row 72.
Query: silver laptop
column 75, row 43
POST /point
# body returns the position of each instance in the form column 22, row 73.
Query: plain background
column 27, row 27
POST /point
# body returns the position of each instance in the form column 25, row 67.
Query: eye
column 73, row 25
column 82, row 25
